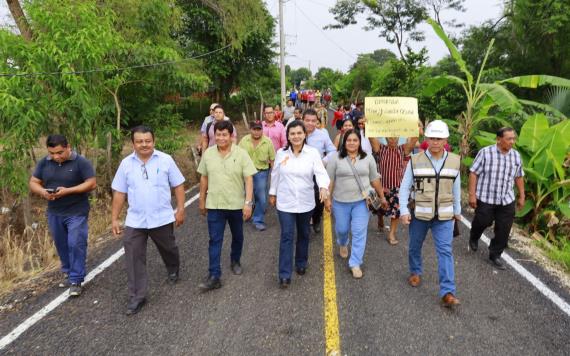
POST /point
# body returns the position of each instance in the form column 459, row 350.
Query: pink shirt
column 276, row 132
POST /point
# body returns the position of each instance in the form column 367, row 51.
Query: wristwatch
column 249, row 202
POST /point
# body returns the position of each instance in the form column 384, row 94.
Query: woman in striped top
column 391, row 166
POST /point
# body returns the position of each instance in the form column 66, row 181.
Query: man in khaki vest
column 432, row 178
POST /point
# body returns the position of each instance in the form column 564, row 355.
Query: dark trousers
column 216, row 225
column 318, row 211
column 69, row 233
column 135, row 242
column 485, row 214
column 290, row 221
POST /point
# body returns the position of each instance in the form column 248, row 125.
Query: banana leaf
column 452, row 50
column 506, row 100
column 544, row 107
column 534, row 81
column 485, row 139
column 528, row 206
column 437, row 83
column 556, row 139
column 533, row 131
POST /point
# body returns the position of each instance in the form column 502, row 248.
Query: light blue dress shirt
column 322, row 142
column 408, row 180
column 148, row 188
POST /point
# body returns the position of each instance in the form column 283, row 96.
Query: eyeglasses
column 269, row 113
column 144, row 172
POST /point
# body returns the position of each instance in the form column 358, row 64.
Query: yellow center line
column 332, row 335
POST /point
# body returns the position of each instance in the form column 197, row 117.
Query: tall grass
column 24, row 255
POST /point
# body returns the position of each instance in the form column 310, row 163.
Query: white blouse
column 292, row 179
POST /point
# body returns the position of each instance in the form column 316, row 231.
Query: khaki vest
column 434, row 190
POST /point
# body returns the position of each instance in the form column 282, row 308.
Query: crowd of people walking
column 287, row 161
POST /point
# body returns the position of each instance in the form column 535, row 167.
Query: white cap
column 437, row 129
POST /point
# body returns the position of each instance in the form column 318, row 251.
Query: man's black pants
column 485, row 214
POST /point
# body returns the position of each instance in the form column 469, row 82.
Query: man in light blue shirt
column 434, row 177
column 147, row 177
column 320, row 140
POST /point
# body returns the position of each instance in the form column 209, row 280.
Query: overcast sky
column 308, row 45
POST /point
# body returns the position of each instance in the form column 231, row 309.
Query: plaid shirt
column 496, row 173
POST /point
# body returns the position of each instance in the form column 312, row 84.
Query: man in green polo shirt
column 226, row 193
column 260, row 149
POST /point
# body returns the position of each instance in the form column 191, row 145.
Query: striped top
column 496, row 173
column 391, row 165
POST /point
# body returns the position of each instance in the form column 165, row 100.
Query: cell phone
column 51, row 190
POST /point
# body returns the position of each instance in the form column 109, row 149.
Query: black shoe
column 236, row 268
column 132, row 309
column 210, row 283
column 75, row 290
column 64, row 282
column 284, row 282
column 301, row 271
column 173, row 278
column 473, row 245
column 497, row 263
column 317, row 228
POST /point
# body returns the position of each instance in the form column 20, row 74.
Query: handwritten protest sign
column 391, row 116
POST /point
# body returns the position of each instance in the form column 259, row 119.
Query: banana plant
column 488, row 101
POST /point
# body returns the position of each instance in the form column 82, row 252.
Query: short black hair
column 267, row 106
column 141, row 129
column 502, row 130
column 218, row 107
column 56, row 140
column 298, row 110
column 224, row 125
column 310, row 112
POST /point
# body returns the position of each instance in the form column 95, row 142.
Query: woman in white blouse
column 292, row 191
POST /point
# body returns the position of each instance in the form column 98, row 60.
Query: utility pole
column 282, row 53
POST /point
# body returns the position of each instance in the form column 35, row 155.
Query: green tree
column 299, row 75
column 396, row 20
column 245, row 26
column 327, row 78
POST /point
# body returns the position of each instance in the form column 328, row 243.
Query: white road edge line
column 20, row 329
column 537, row 283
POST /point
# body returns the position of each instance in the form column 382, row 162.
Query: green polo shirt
column 226, row 187
column 260, row 155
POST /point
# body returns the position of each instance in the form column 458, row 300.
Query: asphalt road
column 380, row 314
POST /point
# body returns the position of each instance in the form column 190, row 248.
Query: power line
column 324, row 34
column 98, row 70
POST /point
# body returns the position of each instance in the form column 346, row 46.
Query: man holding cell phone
column 64, row 178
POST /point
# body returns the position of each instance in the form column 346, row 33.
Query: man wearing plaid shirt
column 491, row 194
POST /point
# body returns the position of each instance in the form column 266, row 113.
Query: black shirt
column 74, row 171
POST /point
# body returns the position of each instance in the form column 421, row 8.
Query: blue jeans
column 69, row 234
column 288, row 223
column 260, row 196
column 353, row 218
column 216, row 225
column 442, row 232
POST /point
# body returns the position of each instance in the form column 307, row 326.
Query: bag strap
column 357, row 177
